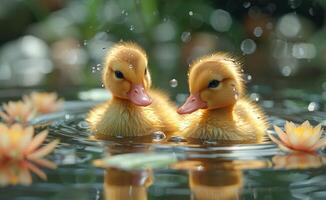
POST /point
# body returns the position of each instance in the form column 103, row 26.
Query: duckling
column 135, row 109
column 224, row 112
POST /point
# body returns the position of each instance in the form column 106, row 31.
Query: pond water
column 202, row 170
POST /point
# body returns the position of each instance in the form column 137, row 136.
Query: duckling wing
column 96, row 114
column 251, row 117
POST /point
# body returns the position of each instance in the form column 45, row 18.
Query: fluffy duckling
column 216, row 87
column 134, row 109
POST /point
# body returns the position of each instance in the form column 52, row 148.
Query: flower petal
column 25, row 177
column 27, row 137
column 36, row 142
column 44, row 150
column 37, row 171
column 45, row 163
column 282, row 135
column 319, row 144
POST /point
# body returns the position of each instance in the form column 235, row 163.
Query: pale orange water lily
column 19, row 143
column 44, row 102
column 18, row 111
column 298, row 160
column 20, row 172
column 302, row 137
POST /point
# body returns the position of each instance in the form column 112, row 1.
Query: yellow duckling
column 134, row 109
column 216, row 87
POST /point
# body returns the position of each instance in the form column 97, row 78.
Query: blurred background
column 58, row 45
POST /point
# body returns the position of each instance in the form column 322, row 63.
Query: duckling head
column 126, row 74
column 214, row 82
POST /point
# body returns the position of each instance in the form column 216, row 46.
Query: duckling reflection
column 217, row 178
column 213, row 179
column 124, row 185
column 217, row 88
column 216, row 184
column 135, row 109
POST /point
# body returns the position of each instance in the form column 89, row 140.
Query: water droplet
column 82, row 125
column 284, row 25
column 132, row 28
column 286, row 71
column 246, row 4
column 248, row 46
column 158, row 136
column 123, row 12
column 93, row 69
column 98, row 67
column 85, row 43
column 191, row 13
column 177, row 139
column 185, row 36
column 221, row 20
column 258, row 31
column 67, row 116
column 313, row 106
column 248, row 78
column 174, row 83
column 102, row 85
column 254, row 96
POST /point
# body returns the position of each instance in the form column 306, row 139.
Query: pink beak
column 192, row 104
column 138, row 96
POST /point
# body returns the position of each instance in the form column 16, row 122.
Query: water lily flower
column 302, row 137
column 19, row 143
column 18, row 111
column 44, row 102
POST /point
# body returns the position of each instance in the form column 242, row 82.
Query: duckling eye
column 145, row 71
column 118, row 74
column 213, row 84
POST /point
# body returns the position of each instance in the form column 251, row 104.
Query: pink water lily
column 18, row 111
column 19, row 143
column 21, row 153
column 44, row 102
column 302, row 137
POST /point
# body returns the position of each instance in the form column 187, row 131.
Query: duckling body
column 222, row 110
column 135, row 109
column 242, row 123
column 118, row 117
